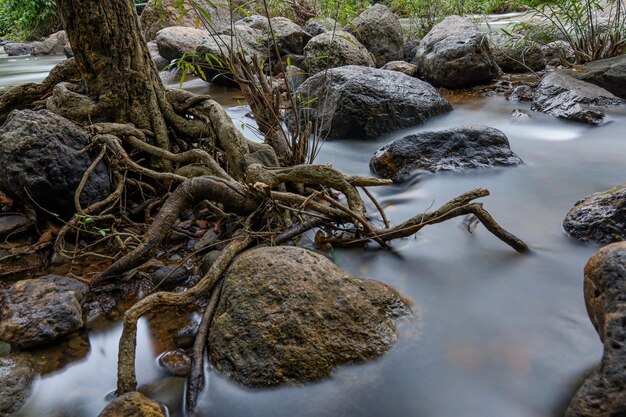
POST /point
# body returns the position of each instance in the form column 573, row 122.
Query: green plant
column 28, row 19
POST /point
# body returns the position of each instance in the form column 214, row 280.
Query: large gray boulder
column 335, row 49
column 55, row 44
column 454, row 149
column 173, row 42
column 603, row 392
column 287, row 314
column 566, row 97
column 318, row 25
column 456, row 54
column 380, row 31
column 609, row 74
column 290, row 38
column 360, row 102
column 40, row 162
column 38, row 311
column 514, row 54
column 17, row 374
column 160, row 14
column 600, row 217
column 17, row 49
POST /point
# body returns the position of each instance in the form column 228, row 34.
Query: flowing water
column 495, row 333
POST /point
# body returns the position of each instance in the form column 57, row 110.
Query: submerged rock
column 380, row 31
column 40, row 162
column 331, row 50
column 602, row 393
column 133, row 404
column 175, row 41
column 160, row 14
column 359, row 102
column 562, row 96
column 177, row 362
column 456, row 54
column 38, row 311
column 287, row 314
column 17, row 375
column 17, row 49
column 446, row 150
column 609, row 74
column 600, row 218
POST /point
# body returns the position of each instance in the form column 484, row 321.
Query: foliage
column 28, row 19
column 595, row 29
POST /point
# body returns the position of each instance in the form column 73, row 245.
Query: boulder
column 160, row 14
column 17, row 374
column 158, row 60
column 173, row 42
column 609, row 74
column 514, row 54
column 294, row 77
column 562, row 96
column 335, row 49
column 410, row 49
column 454, row 149
column 54, row 44
column 215, row 50
column 287, row 314
column 40, row 160
column 133, row 404
column 401, row 66
column 38, row 311
column 456, row 54
column 318, row 25
column 290, row 38
column 17, row 49
column 359, row 102
column 600, row 217
column 380, row 31
column 602, row 393
column 558, row 53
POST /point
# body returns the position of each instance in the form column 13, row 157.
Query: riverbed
column 494, row 333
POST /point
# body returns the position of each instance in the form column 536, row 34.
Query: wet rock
column 558, row 53
column 12, row 223
column 177, row 362
column 360, row 102
column 290, row 38
column 17, row 375
column 287, row 314
column 331, row 50
column 158, row 60
column 249, row 44
column 169, row 276
column 602, row 393
column 39, row 156
column 600, row 218
column 175, row 41
column 410, row 49
column 209, row 259
column 318, row 25
column 380, row 31
column 522, row 93
column 38, row 311
column 514, row 54
column 456, row 54
column 160, row 14
column 454, row 149
column 609, row 74
column 54, row 44
column 562, row 96
column 401, row 66
column 519, row 115
column 133, row 404
column 17, row 49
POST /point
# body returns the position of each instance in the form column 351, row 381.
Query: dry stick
column 85, row 178
column 299, row 229
column 378, row 206
column 195, row 380
column 126, row 376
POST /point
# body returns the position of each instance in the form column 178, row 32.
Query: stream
column 494, row 333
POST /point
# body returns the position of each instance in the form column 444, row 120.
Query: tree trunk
column 118, row 73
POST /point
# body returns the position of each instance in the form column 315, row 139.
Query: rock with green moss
column 289, row 315
column 133, row 404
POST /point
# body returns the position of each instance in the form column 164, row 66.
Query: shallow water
column 25, row 69
column 496, row 333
